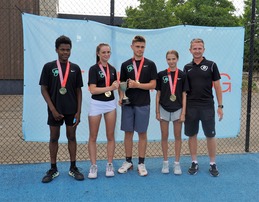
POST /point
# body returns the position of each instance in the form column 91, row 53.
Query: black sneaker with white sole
column 214, row 171
column 50, row 175
column 193, row 169
column 75, row 173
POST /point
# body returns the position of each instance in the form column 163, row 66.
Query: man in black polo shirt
column 202, row 75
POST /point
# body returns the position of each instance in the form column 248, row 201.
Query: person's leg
column 164, row 138
column 142, row 144
column 72, row 145
column 193, row 147
column 94, row 123
column 53, row 143
column 110, row 120
column 53, row 150
column 128, row 143
column 178, row 139
column 212, row 145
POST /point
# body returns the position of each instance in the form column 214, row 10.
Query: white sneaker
column 142, row 169
column 177, row 169
column 125, row 167
column 165, row 168
column 109, row 170
column 93, row 172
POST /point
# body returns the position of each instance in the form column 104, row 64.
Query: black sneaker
column 214, row 171
column 50, row 175
column 193, row 169
column 74, row 172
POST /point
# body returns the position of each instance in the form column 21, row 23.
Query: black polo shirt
column 138, row 97
column 96, row 76
column 65, row 104
column 164, row 87
column 200, row 78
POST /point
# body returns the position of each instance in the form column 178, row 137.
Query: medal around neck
column 62, row 90
column 172, row 97
column 108, row 94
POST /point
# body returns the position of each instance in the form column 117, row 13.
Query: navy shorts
column 194, row 116
column 135, row 118
column 68, row 119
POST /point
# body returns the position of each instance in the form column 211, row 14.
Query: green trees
column 152, row 14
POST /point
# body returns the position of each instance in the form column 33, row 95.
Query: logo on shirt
column 204, row 68
column 165, row 79
column 55, row 72
column 101, row 74
column 130, row 68
column 72, row 71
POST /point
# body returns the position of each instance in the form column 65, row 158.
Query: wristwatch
column 221, row 106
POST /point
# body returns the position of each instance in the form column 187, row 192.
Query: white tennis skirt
column 101, row 107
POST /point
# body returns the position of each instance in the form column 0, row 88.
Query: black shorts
column 68, row 118
column 194, row 116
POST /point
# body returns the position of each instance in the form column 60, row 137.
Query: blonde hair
column 196, row 40
column 173, row 52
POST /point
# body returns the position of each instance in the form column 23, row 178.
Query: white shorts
column 101, row 107
column 170, row 116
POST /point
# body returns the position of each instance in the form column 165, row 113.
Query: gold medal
column 108, row 94
column 63, row 91
column 172, row 97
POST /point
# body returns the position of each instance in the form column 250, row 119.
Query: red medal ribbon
column 137, row 71
column 107, row 76
column 172, row 86
column 63, row 81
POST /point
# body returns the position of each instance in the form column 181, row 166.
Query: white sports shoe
column 93, row 172
column 142, row 169
column 109, row 170
column 165, row 168
column 177, row 169
column 125, row 167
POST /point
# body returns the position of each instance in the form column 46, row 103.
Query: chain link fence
column 13, row 149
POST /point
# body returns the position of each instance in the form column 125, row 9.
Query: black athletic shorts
column 193, row 117
column 68, row 119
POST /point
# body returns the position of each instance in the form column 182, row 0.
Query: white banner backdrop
column 224, row 45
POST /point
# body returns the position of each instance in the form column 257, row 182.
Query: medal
column 108, row 94
column 137, row 71
column 171, row 84
column 172, row 97
column 63, row 91
column 63, row 80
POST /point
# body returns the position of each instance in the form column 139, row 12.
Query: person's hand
column 120, row 102
column 57, row 116
column 115, row 85
column 158, row 116
column 220, row 113
column 182, row 118
column 76, row 120
column 133, row 84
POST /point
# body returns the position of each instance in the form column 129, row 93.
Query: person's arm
column 182, row 116
column 158, row 94
column 218, row 90
column 94, row 90
column 46, row 96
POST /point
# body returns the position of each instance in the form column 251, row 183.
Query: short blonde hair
column 196, row 40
